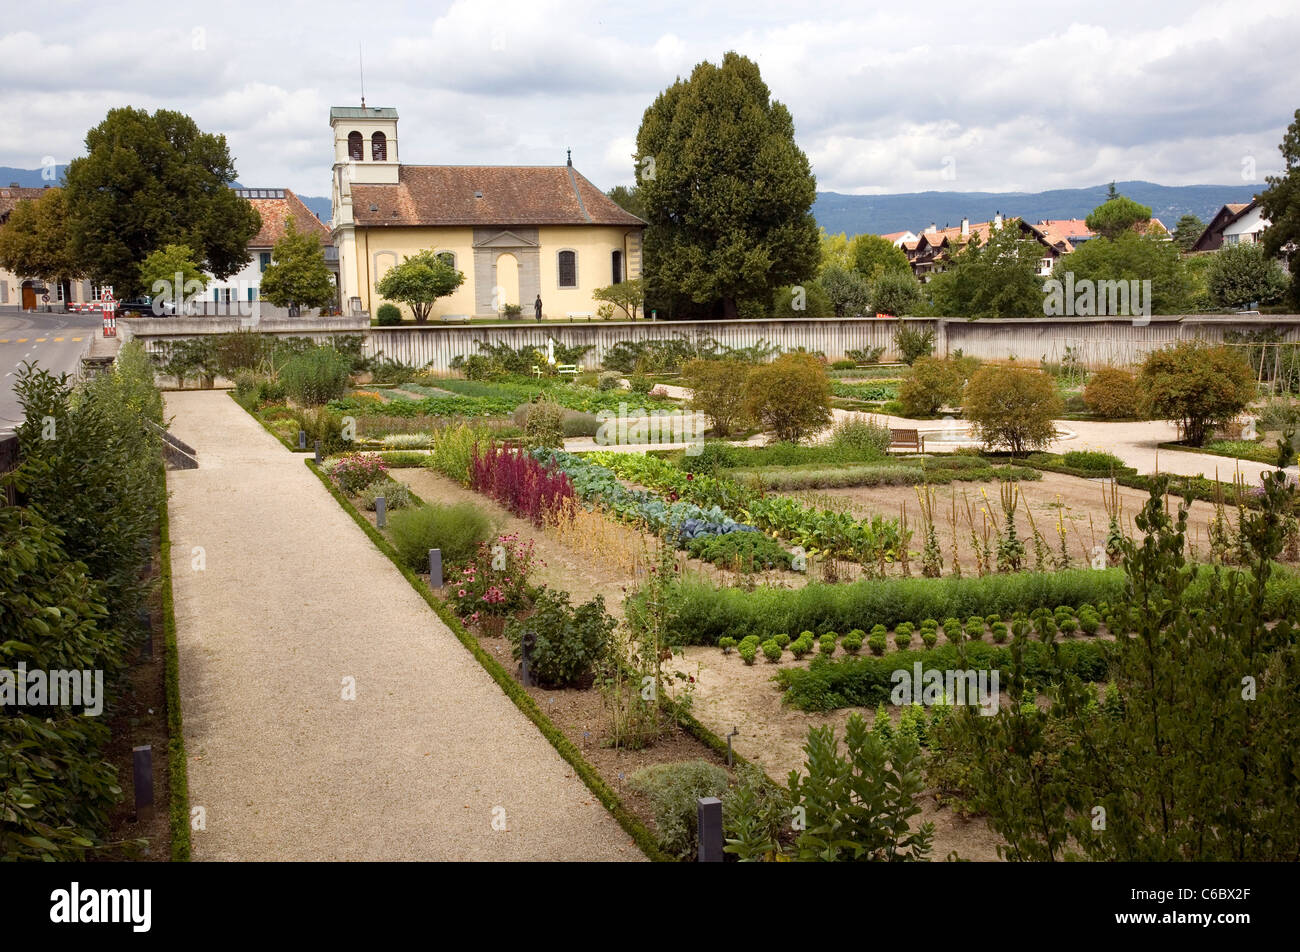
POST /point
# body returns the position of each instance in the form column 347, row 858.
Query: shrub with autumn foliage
column 517, row 481
column 1112, row 393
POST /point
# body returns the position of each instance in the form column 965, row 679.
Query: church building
column 515, row 232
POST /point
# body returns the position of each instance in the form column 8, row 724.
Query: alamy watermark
column 1089, row 298
column 638, row 426
column 56, row 688
column 935, row 686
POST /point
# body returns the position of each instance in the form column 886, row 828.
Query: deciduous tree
column 1280, row 204
column 150, row 181
column 419, row 281
column 298, row 274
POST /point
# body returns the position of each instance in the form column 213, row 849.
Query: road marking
column 58, row 340
column 41, row 340
column 22, row 340
column 76, row 338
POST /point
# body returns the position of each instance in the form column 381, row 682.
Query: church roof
column 362, row 112
column 487, row 195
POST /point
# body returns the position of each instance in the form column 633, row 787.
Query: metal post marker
column 525, row 649
column 709, row 812
column 318, row 452
column 302, row 439
column 142, row 778
column 435, row 568
column 380, row 511
column 730, row 755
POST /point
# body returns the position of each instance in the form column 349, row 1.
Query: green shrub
column 456, row 529
column 782, row 639
column 542, row 424
column 1000, row 632
column 791, row 396
column 388, row 314
column 800, row 647
column 771, row 650
column 702, row 613
column 902, row 638
column 852, row 642
column 867, row 681
column 744, row 551
column 905, row 628
column 878, row 642
column 315, row 377
column 640, row 383
column 755, row 814
column 933, row 384
column 568, row 642
column 865, row 436
column 1112, row 393
column 826, row 644
column 929, row 637
column 1068, row 626
column 673, row 791
column 992, row 619
column 396, row 495
column 320, row 424
column 952, row 628
column 747, row 653
column 576, row 423
column 718, row 391
column 1094, row 461
column 1197, row 385
column 1089, row 622
column 726, row 644
column 931, row 623
column 913, row 343
column 1012, row 407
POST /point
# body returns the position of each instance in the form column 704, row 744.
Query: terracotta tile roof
column 10, row 196
column 895, row 235
column 277, row 211
column 510, row 195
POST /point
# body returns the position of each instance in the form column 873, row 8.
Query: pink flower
column 461, row 593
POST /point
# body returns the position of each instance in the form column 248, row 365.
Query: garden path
column 282, row 603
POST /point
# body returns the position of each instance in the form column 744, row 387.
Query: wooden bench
column 906, row 440
column 567, row 370
column 454, row 318
column 580, row 315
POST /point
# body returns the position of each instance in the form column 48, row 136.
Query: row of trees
column 727, row 196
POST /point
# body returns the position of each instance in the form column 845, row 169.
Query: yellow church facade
column 516, row 232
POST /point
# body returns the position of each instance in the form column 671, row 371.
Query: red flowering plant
column 353, row 472
column 518, row 481
column 494, row 584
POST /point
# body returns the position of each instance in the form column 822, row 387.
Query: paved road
column 55, row 342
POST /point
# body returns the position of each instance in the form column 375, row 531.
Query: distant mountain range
column 913, row 211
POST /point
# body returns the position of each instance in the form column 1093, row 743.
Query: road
column 54, row 342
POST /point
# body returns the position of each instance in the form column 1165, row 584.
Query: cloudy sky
column 886, row 97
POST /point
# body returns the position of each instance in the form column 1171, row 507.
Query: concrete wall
column 1096, row 342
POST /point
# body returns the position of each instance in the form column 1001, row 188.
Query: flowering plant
column 355, row 471
column 495, row 582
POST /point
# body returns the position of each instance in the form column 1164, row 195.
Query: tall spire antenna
column 361, row 66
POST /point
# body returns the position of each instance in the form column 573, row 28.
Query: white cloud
column 1021, row 95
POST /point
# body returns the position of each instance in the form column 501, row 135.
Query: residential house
column 1236, row 223
column 1059, row 237
column 277, row 206
column 516, row 232
column 32, row 293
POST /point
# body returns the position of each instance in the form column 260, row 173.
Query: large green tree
column 628, row 199
column 1116, row 215
column 150, row 181
column 297, row 274
column 873, row 256
column 1189, row 228
column 1130, row 257
column 419, row 281
column 728, row 194
column 997, row 279
column 1280, row 204
column 173, row 274
column 34, row 241
column 1238, row 275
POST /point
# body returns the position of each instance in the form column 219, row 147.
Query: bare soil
column 1080, row 503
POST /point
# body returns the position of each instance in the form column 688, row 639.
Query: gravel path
column 292, row 599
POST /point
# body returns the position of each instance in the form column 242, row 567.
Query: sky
column 886, row 97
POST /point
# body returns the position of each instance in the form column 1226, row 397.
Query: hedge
column 867, row 681
column 703, row 613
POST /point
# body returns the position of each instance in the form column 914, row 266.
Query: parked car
column 144, row 306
